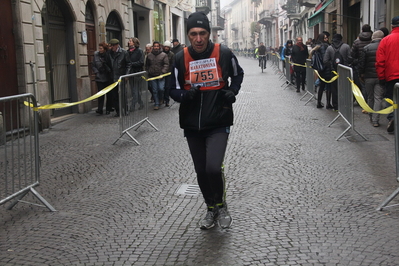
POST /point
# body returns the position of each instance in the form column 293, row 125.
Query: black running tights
column 208, row 154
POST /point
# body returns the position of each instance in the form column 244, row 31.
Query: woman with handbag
column 324, row 70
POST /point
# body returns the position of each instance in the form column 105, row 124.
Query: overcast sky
column 224, row 2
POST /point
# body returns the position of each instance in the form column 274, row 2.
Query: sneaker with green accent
column 209, row 219
column 224, row 218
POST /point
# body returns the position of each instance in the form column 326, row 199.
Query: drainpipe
column 131, row 18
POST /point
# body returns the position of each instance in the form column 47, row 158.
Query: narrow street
column 297, row 196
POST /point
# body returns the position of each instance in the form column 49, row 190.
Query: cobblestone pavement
column 298, row 196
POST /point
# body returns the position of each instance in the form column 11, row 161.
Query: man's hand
column 229, row 96
column 192, row 93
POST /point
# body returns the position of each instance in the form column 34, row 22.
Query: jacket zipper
column 199, row 113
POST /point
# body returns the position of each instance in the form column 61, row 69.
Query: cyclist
column 262, row 54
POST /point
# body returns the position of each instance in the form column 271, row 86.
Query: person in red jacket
column 387, row 61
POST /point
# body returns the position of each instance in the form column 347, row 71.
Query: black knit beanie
column 198, row 20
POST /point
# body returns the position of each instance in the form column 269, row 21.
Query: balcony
column 203, row 6
column 219, row 24
column 234, row 27
column 291, row 6
column 308, row 3
column 267, row 17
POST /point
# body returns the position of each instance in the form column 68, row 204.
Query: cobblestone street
column 297, row 196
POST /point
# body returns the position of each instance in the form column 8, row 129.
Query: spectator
column 367, row 72
column 171, row 57
column 148, row 49
column 299, row 55
column 157, row 63
column 321, row 47
column 387, row 65
column 119, row 63
column 136, row 56
column 362, row 40
column 385, row 31
column 103, row 77
column 328, row 36
column 330, row 60
column 177, row 47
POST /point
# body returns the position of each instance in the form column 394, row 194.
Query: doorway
column 59, row 55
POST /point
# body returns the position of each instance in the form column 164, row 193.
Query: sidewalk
column 297, row 196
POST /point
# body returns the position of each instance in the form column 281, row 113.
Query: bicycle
column 262, row 61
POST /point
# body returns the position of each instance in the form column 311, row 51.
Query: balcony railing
column 291, row 6
column 203, row 6
column 308, row 3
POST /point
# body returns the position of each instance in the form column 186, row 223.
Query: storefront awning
column 318, row 17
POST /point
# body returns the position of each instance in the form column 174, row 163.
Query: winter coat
column 157, row 63
column 388, row 57
column 363, row 39
column 118, row 62
column 366, row 64
column 344, row 50
column 285, row 51
column 177, row 49
column 322, row 48
column 171, row 57
column 261, row 50
column 136, row 58
column 208, row 110
column 100, row 68
column 299, row 57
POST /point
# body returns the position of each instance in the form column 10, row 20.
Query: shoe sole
column 202, row 227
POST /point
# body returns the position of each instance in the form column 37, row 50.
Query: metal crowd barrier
column 19, row 150
column 396, row 132
column 287, row 67
column 345, row 99
column 133, row 104
column 309, row 82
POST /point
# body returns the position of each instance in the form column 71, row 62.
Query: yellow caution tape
column 292, row 63
column 328, row 81
column 360, row 100
column 157, row 77
column 63, row 105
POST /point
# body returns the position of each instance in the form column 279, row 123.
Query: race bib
column 204, row 73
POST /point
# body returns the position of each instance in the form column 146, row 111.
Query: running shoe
column 224, row 219
column 209, row 220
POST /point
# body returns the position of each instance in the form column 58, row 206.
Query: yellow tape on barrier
column 63, row 105
column 157, row 77
column 292, row 63
column 327, row 81
column 360, row 100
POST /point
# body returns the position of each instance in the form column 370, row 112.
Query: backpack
column 317, row 61
column 338, row 58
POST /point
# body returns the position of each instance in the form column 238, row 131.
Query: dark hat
column 175, row 40
column 395, row 21
column 198, row 20
column 114, row 41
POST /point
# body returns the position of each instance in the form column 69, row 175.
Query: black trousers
column 208, row 155
column 101, row 86
column 300, row 78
